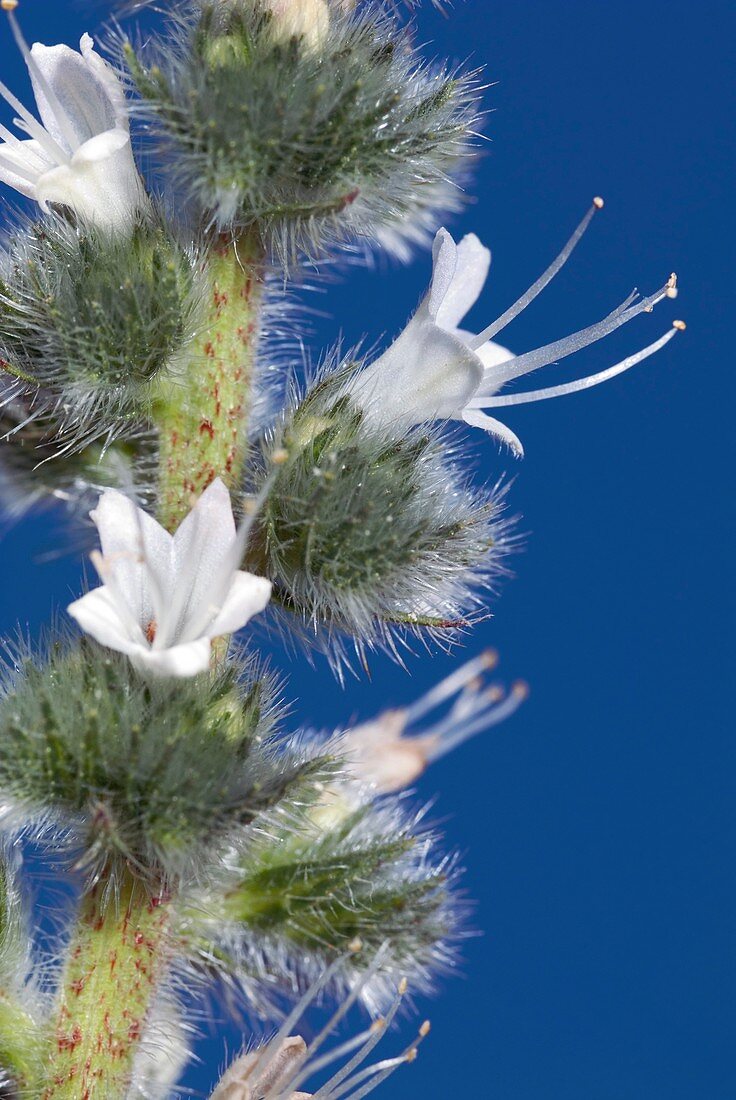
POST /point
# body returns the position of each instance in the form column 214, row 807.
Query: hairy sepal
column 90, row 325
column 313, row 147
column 367, row 533
column 343, row 877
column 157, row 774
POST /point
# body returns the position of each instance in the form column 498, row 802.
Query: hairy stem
column 202, row 418
column 113, row 967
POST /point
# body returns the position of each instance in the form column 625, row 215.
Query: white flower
column 437, row 370
column 79, row 155
column 381, row 755
column 276, row 1070
column 165, row 597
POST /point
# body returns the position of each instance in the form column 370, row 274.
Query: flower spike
column 79, row 155
column 435, row 370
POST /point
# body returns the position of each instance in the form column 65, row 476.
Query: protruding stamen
column 526, row 299
column 450, row 686
column 33, row 127
column 342, row 1074
column 560, row 349
column 582, row 383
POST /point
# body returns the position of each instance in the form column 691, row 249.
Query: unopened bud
column 308, row 20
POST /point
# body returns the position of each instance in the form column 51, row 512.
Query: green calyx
column 156, row 773
column 346, row 874
column 359, row 526
column 303, row 143
column 86, row 313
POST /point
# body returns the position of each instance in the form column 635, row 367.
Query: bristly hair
column 371, row 539
column 90, row 324
column 357, row 140
column 309, row 881
column 160, row 774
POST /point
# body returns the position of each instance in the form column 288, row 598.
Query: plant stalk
column 202, row 418
column 113, row 967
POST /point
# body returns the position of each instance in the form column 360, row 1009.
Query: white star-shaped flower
column 436, row 370
column 79, row 155
column 165, row 597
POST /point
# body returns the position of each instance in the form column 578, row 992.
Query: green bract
column 361, row 529
column 90, row 321
column 353, row 872
column 187, row 760
column 311, row 145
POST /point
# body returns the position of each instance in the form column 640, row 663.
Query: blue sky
column 597, row 827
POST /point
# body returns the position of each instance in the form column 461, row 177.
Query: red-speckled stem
column 202, row 418
column 115, row 962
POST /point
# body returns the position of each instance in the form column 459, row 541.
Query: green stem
column 113, row 967
column 202, row 417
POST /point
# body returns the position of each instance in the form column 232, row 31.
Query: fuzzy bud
column 310, row 129
column 307, row 20
column 90, row 323
column 156, row 772
column 362, row 531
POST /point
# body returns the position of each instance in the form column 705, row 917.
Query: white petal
column 101, row 184
column 478, row 419
column 426, row 374
column 83, row 96
column 97, row 614
column 188, row 659
column 203, row 560
column 444, row 266
column 30, row 159
column 138, row 552
column 107, row 80
column 472, row 266
column 248, row 596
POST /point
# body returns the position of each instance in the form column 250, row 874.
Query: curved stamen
column 582, row 383
column 23, row 171
column 33, row 127
column 536, row 288
column 560, row 349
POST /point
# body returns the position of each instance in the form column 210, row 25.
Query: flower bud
column 308, row 20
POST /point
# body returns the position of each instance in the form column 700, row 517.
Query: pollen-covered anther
column 679, row 325
column 598, row 202
column 8, row 5
column 672, row 289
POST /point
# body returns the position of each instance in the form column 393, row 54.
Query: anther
column 672, row 291
column 425, row 1029
column 8, row 5
column 521, row 690
column 679, row 325
column 355, row 946
column 598, row 202
column 403, row 986
column 280, row 456
column 490, row 658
